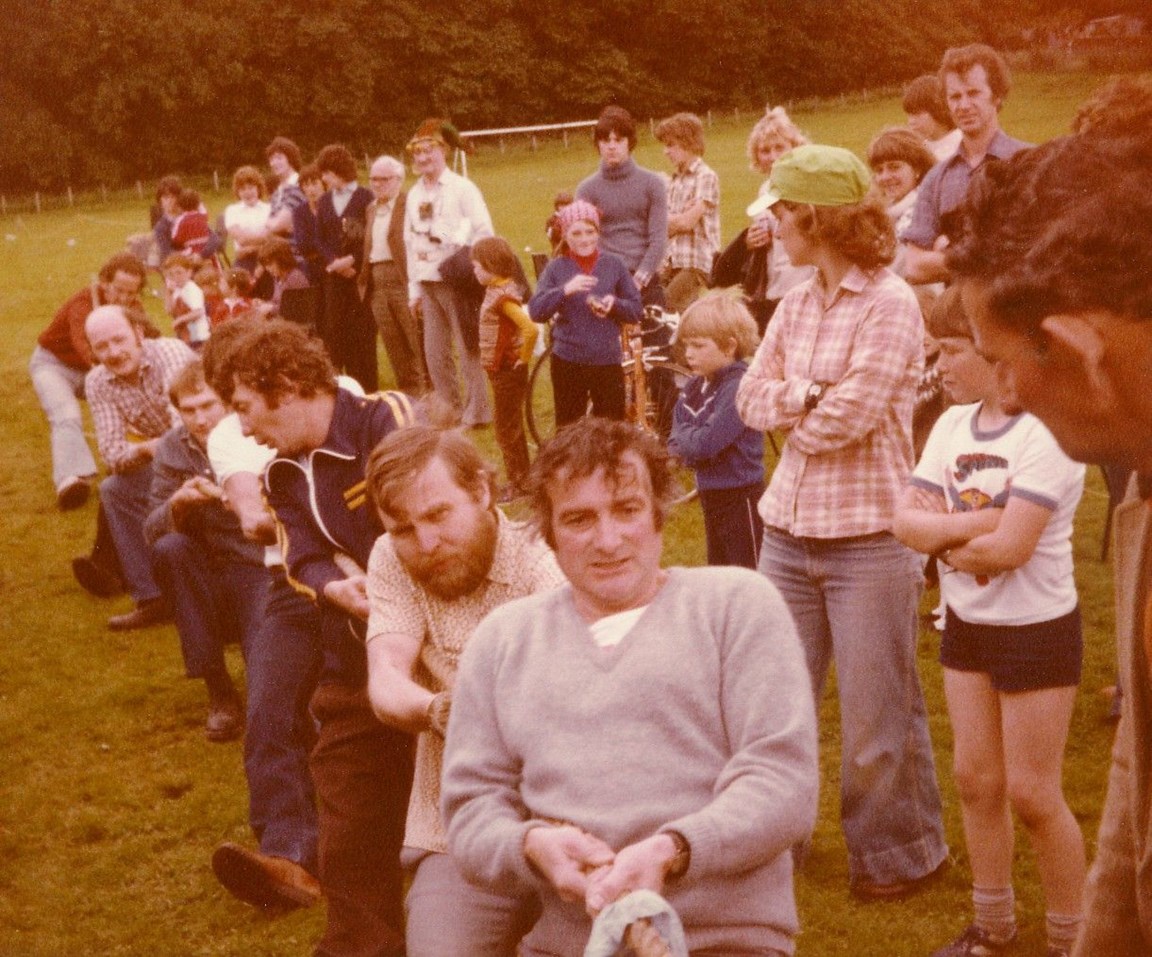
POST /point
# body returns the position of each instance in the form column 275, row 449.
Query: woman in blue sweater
column 590, row 294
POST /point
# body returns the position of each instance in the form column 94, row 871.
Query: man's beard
column 460, row 574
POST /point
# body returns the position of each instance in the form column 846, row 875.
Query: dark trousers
column 575, row 384
column 399, row 330
column 363, row 774
column 214, row 602
column 349, row 332
column 509, row 392
column 732, row 525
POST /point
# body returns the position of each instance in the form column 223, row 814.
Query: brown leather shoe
column 262, row 880
column 225, row 719
column 155, row 611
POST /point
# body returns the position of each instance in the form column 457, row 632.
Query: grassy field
column 111, row 801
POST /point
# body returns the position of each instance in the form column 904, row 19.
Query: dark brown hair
column 281, row 144
column 615, row 119
column 861, row 232
column 588, row 445
column 274, row 358
column 405, row 453
column 959, row 60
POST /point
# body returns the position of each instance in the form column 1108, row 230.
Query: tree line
column 109, row 91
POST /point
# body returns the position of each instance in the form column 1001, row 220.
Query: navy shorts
column 1047, row 654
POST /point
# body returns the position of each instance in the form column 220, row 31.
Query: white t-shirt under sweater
column 976, row 469
column 701, row 720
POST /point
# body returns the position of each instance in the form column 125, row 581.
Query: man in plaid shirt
column 693, row 211
column 838, row 367
column 128, row 395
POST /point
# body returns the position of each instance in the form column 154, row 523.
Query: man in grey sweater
column 633, row 203
column 637, row 728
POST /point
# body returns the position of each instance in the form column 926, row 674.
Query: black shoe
column 72, row 493
column 225, row 719
column 95, row 578
column 155, row 611
column 974, row 942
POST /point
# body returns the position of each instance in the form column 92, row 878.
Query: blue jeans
column 59, row 388
column 124, row 496
column 282, row 663
column 215, row 603
column 855, row 601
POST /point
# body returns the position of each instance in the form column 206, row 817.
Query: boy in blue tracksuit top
column 718, row 333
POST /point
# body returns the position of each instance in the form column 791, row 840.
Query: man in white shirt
column 444, row 212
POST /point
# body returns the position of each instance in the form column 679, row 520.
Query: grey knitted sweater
column 701, row 720
column 633, row 204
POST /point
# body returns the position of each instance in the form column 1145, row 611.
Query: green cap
column 820, row 175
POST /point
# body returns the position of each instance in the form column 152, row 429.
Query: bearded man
column 449, row 557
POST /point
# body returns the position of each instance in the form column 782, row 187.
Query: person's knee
column 174, row 551
column 977, row 784
column 1035, row 800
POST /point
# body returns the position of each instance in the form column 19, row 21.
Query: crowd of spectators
column 470, row 735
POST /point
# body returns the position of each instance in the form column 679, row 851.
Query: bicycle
column 652, row 384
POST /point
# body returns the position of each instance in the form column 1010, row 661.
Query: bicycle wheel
column 665, row 380
column 539, row 409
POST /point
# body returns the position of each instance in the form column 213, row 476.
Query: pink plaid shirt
column 125, row 413
column 844, row 464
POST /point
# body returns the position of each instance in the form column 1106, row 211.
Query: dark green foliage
column 107, row 91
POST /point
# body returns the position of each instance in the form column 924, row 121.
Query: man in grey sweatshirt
column 637, row 728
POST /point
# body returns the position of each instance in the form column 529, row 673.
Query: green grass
column 111, row 800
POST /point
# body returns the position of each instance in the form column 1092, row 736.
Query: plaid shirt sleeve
column 886, row 342
column 766, row 399
column 111, row 429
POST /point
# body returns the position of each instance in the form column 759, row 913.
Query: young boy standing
column 718, row 334
column 693, row 211
column 184, row 300
column 994, row 498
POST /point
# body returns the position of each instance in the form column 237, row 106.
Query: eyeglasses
column 382, row 179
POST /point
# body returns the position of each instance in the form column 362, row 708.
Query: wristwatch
column 438, row 709
column 678, row 866
column 814, row 395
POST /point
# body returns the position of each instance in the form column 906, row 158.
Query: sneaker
column 974, row 942
column 72, row 493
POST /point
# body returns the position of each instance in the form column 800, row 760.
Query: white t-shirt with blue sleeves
column 983, row 469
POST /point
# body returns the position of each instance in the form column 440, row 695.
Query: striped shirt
column 127, row 413
column 845, row 462
column 695, row 249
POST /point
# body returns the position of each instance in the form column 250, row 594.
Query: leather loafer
column 95, row 578
column 262, row 880
column 155, row 611
column 225, row 720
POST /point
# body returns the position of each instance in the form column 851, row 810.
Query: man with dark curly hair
column 282, row 385
column 1055, row 261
